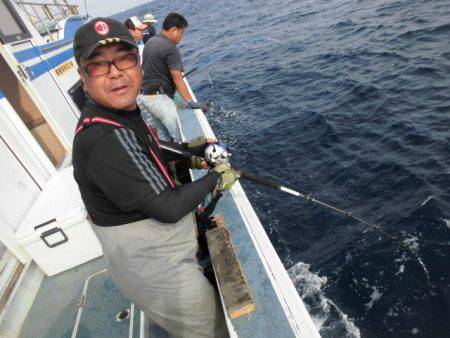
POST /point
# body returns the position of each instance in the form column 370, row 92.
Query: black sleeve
column 173, row 204
column 120, row 168
column 172, row 156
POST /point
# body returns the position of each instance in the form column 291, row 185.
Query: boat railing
column 46, row 15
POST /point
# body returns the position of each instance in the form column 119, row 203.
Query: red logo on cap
column 101, row 27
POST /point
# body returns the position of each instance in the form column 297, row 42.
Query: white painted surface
column 25, row 169
column 45, row 94
column 18, row 191
column 61, row 115
column 24, row 145
column 59, row 201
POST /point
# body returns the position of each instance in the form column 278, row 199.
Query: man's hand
column 191, row 104
column 198, row 163
column 227, row 176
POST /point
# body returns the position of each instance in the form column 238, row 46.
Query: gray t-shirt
column 160, row 57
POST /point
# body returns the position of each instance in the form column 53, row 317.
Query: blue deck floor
column 269, row 318
column 55, row 308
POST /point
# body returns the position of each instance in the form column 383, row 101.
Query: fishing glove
column 227, row 176
column 198, row 163
column 198, row 145
column 191, row 104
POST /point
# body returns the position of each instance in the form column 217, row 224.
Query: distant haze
column 106, row 8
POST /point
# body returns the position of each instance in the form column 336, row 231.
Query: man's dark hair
column 129, row 24
column 174, row 20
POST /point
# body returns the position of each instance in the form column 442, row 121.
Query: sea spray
column 326, row 315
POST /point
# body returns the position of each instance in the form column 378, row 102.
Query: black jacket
column 122, row 173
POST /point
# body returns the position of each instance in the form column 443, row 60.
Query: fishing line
column 269, row 174
column 227, row 101
column 210, row 81
column 213, row 89
column 310, row 198
column 216, row 153
column 270, row 183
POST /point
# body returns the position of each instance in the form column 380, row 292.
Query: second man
column 163, row 75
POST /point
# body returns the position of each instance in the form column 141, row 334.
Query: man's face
column 177, row 34
column 119, row 88
column 137, row 33
column 140, row 34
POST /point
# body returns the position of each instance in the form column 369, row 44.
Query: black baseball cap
column 99, row 32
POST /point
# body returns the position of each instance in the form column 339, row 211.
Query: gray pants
column 154, row 265
column 160, row 111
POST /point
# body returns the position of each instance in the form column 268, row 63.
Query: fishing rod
column 308, row 197
column 189, row 72
column 216, row 153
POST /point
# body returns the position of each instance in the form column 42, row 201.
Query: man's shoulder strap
column 88, row 121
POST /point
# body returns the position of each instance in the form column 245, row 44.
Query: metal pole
column 60, row 10
column 85, row 9
column 42, row 22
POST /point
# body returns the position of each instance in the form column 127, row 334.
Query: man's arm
column 121, row 169
column 173, row 204
column 177, row 77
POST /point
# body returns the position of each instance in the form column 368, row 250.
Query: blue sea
column 348, row 101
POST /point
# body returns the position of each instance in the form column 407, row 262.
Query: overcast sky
column 106, row 7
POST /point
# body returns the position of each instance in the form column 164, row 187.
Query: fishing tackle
column 272, row 184
column 217, row 152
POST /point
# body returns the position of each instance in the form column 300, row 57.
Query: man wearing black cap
column 144, row 221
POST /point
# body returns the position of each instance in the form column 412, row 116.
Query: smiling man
column 143, row 220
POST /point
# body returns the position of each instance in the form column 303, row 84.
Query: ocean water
column 349, row 101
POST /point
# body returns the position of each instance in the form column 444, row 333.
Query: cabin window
column 78, row 95
column 11, row 26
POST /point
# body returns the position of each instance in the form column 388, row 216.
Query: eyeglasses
column 100, row 68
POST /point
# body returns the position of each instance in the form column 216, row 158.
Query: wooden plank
column 47, row 139
column 17, row 96
column 231, row 280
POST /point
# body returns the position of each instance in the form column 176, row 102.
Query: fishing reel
column 217, row 153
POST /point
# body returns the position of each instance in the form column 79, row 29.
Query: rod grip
column 260, row 180
column 185, row 154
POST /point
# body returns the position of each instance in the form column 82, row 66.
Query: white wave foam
column 401, row 269
column 447, row 223
column 376, row 295
column 274, row 40
column 428, row 199
column 403, row 258
column 411, row 242
column 326, row 315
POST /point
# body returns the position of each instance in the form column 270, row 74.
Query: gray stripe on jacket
column 145, row 173
column 146, row 162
